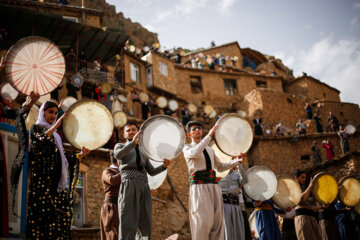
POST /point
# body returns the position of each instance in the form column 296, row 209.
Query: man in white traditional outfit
column 206, row 208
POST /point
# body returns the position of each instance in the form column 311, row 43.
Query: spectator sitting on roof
column 280, row 129
column 301, row 127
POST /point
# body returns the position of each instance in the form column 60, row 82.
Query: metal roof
column 95, row 42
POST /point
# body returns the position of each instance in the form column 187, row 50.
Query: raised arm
column 197, row 150
column 121, row 149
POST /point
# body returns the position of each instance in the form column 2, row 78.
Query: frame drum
column 262, row 183
column 213, row 114
column 349, row 194
column 161, row 137
column 173, row 105
column 223, row 158
column 120, row 119
column 252, row 224
column 122, row 98
column 192, row 108
column 34, row 64
column 105, row 88
column 208, row 109
column 88, row 123
column 288, row 193
column 157, row 180
column 234, row 134
column 144, row 97
column 77, row 80
column 67, row 102
column 161, row 102
column 324, row 188
column 241, row 113
column 350, row 129
column 8, row 92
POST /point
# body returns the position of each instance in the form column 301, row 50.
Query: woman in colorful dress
column 49, row 210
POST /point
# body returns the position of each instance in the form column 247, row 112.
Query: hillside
column 116, row 22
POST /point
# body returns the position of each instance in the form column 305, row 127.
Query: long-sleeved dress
column 206, row 208
column 344, row 141
column 233, row 216
column 134, row 201
column 49, row 212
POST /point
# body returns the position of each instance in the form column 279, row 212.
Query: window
column 195, row 83
column 163, row 69
column 134, row 72
column 230, row 87
column 261, row 84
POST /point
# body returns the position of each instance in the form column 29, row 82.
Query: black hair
column 131, row 124
column 192, row 123
column 50, row 104
column 112, row 157
column 299, row 172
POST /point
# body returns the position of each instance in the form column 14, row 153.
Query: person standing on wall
column 134, row 201
column 344, row 140
column 109, row 217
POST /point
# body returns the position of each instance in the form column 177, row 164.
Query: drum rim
column 79, row 103
column 253, row 168
column 315, row 178
column 20, row 41
column 342, row 180
column 119, row 111
column 227, row 115
column 287, row 176
column 152, row 119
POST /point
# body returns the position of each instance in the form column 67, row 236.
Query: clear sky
column 319, row 37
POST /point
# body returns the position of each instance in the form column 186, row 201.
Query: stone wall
column 230, row 50
column 213, row 88
column 312, row 90
column 283, row 156
column 166, row 83
column 342, row 166
column 273, row 106
column 346, row 113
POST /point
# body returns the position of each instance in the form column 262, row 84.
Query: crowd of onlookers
column 333, row 125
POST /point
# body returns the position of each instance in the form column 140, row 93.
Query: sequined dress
column 49, row 212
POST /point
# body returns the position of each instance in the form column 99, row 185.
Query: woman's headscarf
column 64, row 163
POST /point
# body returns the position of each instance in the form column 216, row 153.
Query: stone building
column 240, row 79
